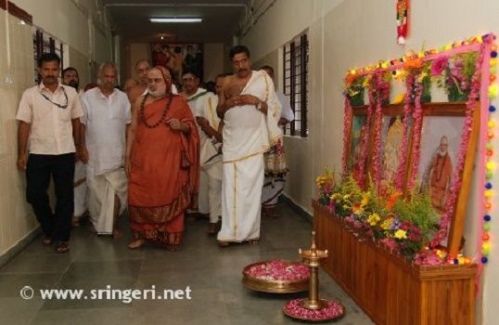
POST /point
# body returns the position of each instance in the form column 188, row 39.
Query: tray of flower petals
column 276, row 276
column 332, row 310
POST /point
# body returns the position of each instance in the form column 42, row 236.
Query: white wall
column 81, row 24
column 213, row 59
column 86, row 39
column 355, row 33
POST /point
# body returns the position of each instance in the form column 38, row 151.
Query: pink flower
column 439, row 65
column 332, row 310
column 278, row 270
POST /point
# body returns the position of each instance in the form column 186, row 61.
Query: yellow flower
column 373, row 219
column 387, row 224
column 335, row 196
column 400, row 234
column 365, row 200
column 357, row 209
column 346, row 196
column 441, row 253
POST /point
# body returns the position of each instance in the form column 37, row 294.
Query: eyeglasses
column 63, row 106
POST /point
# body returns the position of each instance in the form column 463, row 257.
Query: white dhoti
column 102, row 192
column 241, row 199
column 211, row 165
column 214, row 173
column 80, row 190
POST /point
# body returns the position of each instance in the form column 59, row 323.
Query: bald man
column 136, row 87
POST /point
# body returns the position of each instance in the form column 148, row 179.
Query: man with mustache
column 71, row 78
column 162, row 163
column 250, row 111
column 106, row 118
column 49, row 120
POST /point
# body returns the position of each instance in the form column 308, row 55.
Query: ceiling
column 220, row 19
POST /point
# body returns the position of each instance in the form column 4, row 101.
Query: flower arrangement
column 403, row 226
column 325, row 185
column 455, row 74
column 354, row 88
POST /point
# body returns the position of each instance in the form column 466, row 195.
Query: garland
column 377, row 93
column 347, row 132
column 364, row 146
column 417, row 116
column 404, row 146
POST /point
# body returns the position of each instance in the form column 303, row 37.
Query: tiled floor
column 212, row 273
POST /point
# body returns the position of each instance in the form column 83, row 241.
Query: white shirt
column 286, row 111
column 51, row 130
column 106, row 119
column 197, row 104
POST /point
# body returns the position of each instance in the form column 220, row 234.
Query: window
column 43, row 43
column 295, row 60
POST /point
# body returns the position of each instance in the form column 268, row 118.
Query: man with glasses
column 49, row 120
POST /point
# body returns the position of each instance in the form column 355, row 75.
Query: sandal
column 62, row 247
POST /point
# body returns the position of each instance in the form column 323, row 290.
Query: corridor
column 212, row 273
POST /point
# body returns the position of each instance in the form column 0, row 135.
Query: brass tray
column 274, row 286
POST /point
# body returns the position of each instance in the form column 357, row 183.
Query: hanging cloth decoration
column 402, row 20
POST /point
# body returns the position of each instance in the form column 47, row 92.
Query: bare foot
column 136, row 243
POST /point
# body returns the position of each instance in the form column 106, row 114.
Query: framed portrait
column 178, row 57
column 360, row 126
column 392, row 132
column 441, row 140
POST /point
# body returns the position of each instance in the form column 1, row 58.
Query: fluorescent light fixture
column 175, row 20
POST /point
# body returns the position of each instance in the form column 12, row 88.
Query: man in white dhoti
column 71, row 78
column 211, row 157
column 197, row 98
column 276, row 168
column 250, row 110
column 106, row 117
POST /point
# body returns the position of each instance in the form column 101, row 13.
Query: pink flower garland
column 364, row 144
column 463, row 148
column 404, row 146
column 417, row 115
column 347, row 132
column 377, row 94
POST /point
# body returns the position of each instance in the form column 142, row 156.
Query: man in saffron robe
column 438, row 175
column 162, row 163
